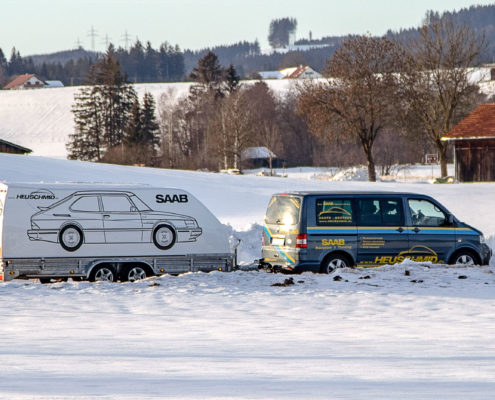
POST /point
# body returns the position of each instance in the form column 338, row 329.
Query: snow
column 377, row 333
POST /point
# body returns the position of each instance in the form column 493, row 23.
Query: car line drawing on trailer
column 99, row 217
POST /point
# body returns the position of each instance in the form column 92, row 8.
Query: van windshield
column 283, row 210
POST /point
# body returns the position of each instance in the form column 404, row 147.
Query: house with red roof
column 25, row 81
column 474, row 145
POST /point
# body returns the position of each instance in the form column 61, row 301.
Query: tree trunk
column 442, row 151
column 371, row 163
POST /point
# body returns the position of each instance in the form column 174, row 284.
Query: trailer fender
column 116, row 264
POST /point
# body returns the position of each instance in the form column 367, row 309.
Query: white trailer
column 106, row 232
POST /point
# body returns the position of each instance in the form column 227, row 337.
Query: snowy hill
column 42, row 121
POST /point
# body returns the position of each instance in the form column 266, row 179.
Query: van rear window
column 283, row 210
column 334, row 212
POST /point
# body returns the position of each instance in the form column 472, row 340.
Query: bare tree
column 436, row 85
column 357, row 101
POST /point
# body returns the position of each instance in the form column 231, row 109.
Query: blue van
column 322, row 231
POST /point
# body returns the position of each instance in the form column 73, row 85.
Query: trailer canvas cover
column 84, row 220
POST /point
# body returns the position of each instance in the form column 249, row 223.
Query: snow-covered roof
column 257, row 152
column 271, row 74
column 53, row 84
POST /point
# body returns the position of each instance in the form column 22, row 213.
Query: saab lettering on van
column 175, row 198
column 331, row 242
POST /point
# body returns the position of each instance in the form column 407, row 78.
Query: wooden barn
column 474, row 145
column 8, row 147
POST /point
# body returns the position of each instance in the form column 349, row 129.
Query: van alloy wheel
column 334, row 262
column 465, row 258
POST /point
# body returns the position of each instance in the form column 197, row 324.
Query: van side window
column 425, row 213
column 380, row 212
column 334, row 212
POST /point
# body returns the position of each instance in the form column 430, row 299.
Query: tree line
column 140, row 62
column 381, row 103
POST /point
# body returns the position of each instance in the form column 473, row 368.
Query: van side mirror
column 450, row 219
column 133, row 209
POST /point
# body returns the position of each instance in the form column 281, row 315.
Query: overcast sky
column 42, row 26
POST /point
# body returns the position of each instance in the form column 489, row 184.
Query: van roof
column 347, row 193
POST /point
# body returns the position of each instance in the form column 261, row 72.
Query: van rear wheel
column 331, row 263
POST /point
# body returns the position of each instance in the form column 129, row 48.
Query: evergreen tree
column 231, row 79
column 87, row 142
column 3, row 68
column 280, row 31
column 101, row 111
column 149, row 123
column 134, row 130
column 209, row 75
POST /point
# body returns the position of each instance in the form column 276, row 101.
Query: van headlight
column 34, row 225
column 482, row 239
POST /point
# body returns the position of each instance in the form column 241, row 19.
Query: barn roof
column 18, row 80
column 15, row 146
column 480, row 124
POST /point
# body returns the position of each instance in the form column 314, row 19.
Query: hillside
column 42, row 120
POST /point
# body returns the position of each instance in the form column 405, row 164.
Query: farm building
column 474, row 145
column 8, row 147
column 26, row 81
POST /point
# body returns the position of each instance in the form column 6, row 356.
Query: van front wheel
column 331, row 263
column 464, row 257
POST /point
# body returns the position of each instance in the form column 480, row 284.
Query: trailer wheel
column 164, row 237
column 134, row 273
column 71, row 238
column 103, row 274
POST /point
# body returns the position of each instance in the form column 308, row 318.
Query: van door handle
column 106, row 215
column 416, row 230
column 400, row 230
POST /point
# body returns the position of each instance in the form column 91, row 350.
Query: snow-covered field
column 42, row 120
column 374, row 334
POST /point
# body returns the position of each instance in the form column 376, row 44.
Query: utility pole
column 92, row 34
column 106, row 41
column 78, row 44
column 126, row 38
